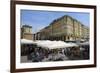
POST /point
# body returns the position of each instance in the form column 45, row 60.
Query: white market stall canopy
column 49, row 44
column 54, row 44
column 25, row 41
column 85, row 43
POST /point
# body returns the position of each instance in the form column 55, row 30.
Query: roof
column 27, row 26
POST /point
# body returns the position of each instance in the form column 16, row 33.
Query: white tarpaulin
column 25, row 41
column 54, row 44
column 85, row 43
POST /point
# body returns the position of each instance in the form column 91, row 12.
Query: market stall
column 57, row 49
column 26, row 46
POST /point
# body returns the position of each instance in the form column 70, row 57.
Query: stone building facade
column 26, row 32
column 65, row 28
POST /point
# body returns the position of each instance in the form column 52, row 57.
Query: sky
column 40, row 19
